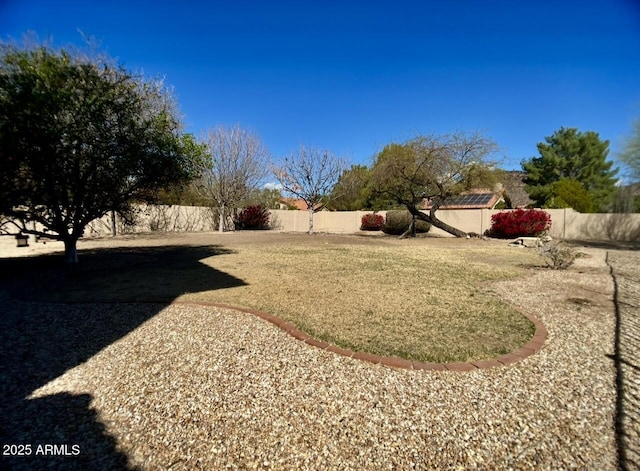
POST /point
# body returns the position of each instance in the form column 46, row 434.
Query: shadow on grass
column 54, row 317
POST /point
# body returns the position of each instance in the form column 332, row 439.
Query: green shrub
column 398, row 222
column 569, row 193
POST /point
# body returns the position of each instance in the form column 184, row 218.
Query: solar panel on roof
column 470, row 200
column 484, row 198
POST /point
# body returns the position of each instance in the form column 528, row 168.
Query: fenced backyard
column 567, row 224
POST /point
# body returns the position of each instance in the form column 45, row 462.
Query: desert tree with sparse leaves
column 431, row 168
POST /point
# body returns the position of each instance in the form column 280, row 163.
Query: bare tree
column 237, row 162
column 431, row 168
column 310, row 175
column 630, row 154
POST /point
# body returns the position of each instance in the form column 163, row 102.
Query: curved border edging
column 532, row 346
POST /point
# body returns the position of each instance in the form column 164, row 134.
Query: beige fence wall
column 566, row 223
column 622, row 227
column 340, row 222
column 157, row 218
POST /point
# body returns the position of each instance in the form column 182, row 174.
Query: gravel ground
column 627, row 347
column 187, row 387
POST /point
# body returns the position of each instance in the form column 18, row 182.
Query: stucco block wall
column 565, row 223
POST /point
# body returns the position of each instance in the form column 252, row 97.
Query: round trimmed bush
column 398, row 222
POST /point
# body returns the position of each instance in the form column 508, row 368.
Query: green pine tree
column 572, row 155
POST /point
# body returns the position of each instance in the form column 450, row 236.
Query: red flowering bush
column 372, row 222
column 252, row 217
column 520, row 223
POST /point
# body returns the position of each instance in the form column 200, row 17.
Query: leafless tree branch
column 238, row 162
column 310, row 174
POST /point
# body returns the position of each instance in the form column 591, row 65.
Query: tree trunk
column 221, row 221
column 431, row 218
column 411, row 230
column 70, row 250
column 114, row 230
column 310, row 221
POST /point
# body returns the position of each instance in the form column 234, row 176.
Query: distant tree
column 237, row 162
column 627, row 197
column 181, row 192
column 81, row 137
column 630, row 154
column 484, row 176
column 569, row 193
column 269, row 198
column 353, row 192
column 571, row 154
column 430, row 168
column 310, row 174
column 184, row 195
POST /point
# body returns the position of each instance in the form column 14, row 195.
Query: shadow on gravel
column 607, row 245
column 54, row 317
column 625, row 357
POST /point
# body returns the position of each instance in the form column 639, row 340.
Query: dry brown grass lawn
column 417, row 299
column 420, row 299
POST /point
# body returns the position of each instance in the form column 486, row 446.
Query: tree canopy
column 353, row 192
column 572, row 155
column 431, row 168
column 81, row 137
column 569, row 193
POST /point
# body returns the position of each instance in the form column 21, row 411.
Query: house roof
column 297, row 203
column 479, row 198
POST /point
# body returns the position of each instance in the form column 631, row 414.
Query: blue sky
column 352, row 76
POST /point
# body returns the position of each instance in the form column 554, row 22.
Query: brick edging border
column 531, row 347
